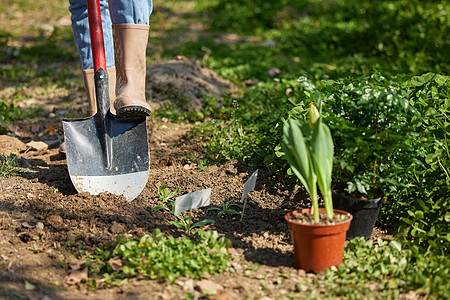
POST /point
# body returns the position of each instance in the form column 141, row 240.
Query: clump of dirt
column 184, row 82
column 11, row 145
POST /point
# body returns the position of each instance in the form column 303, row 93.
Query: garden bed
column 44, row 224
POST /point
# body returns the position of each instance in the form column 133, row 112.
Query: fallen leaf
column 29, row 286
column 26, row 225
column 77, row 266
column 50, row 129
column 115, row 263
column 76, row 277
column 189, row 166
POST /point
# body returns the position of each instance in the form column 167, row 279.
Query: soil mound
column 184, row 83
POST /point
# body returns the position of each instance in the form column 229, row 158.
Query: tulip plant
column 308, row 148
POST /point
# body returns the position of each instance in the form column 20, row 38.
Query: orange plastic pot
column 318, row 246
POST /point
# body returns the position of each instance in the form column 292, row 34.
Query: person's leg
column 130, row 20
column 80, row 28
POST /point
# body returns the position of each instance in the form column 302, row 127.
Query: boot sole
column 132, row 112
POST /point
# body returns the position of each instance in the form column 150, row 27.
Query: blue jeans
column 117, row 12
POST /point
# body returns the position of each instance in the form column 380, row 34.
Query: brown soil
column 308, row 218
column 43, row 220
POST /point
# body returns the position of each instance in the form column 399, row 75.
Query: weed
column 225, row 208
column 9, row 166
column 187, row 223
column 159, row 257
column 166, row 197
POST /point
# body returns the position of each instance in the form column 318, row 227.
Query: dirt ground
column 41, row 213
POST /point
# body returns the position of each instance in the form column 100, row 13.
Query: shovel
column 105, row 153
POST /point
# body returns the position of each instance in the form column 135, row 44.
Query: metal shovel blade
column 115, row 160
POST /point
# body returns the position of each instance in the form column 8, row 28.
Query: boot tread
column 132, row 112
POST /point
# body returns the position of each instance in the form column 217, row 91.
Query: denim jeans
column 117, row 12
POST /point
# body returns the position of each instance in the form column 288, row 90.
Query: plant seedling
column 188, row 224
column 167, row 197
column 225, row 208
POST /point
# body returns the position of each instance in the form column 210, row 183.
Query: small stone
column 208, row 286
column 37, row 145
column 55, row 221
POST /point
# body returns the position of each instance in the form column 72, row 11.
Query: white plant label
column 249, row 184
column 192, row 200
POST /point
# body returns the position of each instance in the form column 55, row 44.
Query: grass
column 9, row 166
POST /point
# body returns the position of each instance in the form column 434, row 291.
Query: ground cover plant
column 159, row 257
column 282, row 56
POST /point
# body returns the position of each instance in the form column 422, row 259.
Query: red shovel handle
column 96, row 32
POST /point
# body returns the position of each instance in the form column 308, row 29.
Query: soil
column 308, row 218
column 44, row 221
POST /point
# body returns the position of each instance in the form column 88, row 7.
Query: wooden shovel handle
column 96, row 33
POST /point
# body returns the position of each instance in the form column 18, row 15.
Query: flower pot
column 364, row 212
column 318, row 246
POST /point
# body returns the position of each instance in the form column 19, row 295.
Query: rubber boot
column 89, row 83
column 130, row 44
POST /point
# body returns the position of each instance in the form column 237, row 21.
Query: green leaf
column 299, row 158
column 214, row 208
column 322, row 157
column 29, row 286
column 159, row 207
column 396, row 245
column 297, row 154
column 203, row 223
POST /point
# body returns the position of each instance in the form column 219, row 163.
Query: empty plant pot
column 318, row 246
column 364, row 212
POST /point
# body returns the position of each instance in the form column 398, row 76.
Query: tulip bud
column 313, row 115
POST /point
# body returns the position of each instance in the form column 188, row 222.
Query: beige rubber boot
column 130, row 44
column 89, row 83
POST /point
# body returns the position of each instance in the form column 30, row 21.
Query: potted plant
column 318, row 234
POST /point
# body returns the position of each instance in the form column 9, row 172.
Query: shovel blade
column 126, row 172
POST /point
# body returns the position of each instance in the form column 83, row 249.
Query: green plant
column 188, row 224
column 9, row 112
column 225, row 208
column 369, row 118
column 9, row 166
column 166, row 197
column 182, row 222
column 378, row 269
column 159, row 257
column 308, row 148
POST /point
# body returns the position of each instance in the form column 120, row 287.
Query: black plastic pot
column 364, row 212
